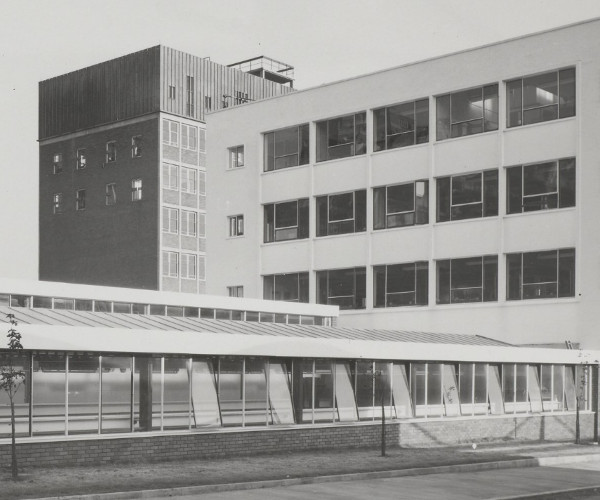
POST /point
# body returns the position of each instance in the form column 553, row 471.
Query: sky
column 325, row 40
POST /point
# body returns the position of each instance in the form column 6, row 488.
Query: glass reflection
column 255, row 383
column 116, row 394
column 280, row 394
column 205, row 404
column 231, row 391
column 176, row 394
column 344, row 395
column 84, row 394
column 48, row 388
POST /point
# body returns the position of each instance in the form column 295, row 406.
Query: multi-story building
column 456, row 194
column 123, row 165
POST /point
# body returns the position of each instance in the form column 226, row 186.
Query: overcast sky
column 325, row 40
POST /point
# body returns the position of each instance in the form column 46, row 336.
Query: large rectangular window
column 170, row 222
column 289, row 287
column 170, row 264
column 287, row 220
column 170, row 133
column 342, row 213
column 540, row 98
column 188, row 223
column 342, row 137
column 474, row 279
column 401, row 125
column 188, row 266
column 286, row 148
column 345, row 288
column 540, row 275
column 188, row 180
column 467, row 196
column 541, row 186
column 189, row 137
column 170, row 177
column 401, row 205
column 400, row 285
column 467, row 112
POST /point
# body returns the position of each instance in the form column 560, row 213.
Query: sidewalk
column 140, row 480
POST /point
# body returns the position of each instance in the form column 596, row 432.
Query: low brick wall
column 223, row 443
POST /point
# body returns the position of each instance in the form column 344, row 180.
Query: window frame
column 110, row 194
column 488, row 196
column 186, row 215
column 80, row 196
column 57, row 203
column 167, row 271
column 358, row 300
column 170, row 220
column 301, row 153
column 271, row 230
column 57, row 163
column 487, row 294
column 189, row 137
column 136, row 190
column 381, row 130
column 324, row 137
column 446, row 126
column 190, row 93
column 172, row 173
column 327, row 227
column 270, row 282
column 185, row 182
column 235, row 153
column 110, row 152
column 420, row 270
column 80, row 159
column 382, row 215
column 185, row 267
column 235, row 224
column 170, row 132
column 136, row 146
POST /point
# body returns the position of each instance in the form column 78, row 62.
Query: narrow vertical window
column 236, row 225
column 136, row 189
column 136, row 146
column 110, row 155
column 170, row 176
column 236, row 157
column 170, row 223
column 170, row 133
column 57, row 163
column 172, row 92
column 170, row 264
column 189, row 90
column 81, row 159
column 188, row 266
column 111, row 194
column 80, row 199
column 57, row 203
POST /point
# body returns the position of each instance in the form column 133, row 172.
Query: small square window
column 57, row 203
column 236, row 225
column 111, row 152
column 81, row 159
column 136, row 189
column 136, row 146
column 80, row 199
column 236, row 157
column 57, row 163
column 111, row 194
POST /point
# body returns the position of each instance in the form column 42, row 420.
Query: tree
column 11, row 378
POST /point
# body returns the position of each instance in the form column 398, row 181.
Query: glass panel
column 102, row 306
column 255, row 407
column 83, row 305
column 540, row 274
column 341, row 207
column 324, row 411
column 570, row 390
column 231, row 391
column 422, row 118
column 205, row 405
column 42, row 302
column 21, row 398
column 540, row 90
column 344, row 395
column 557, row 388
column 421, row 202
column 84, row 398
column 521, row 394
column 515, row 188
column 383, row 389
column 466, row 280
column 508, row 384
column 566, row 183
column 417, row 388
column 514, row 103
column 435, row 407
column 280, row 395
column 490, row 104
column 20, row 300
column 303, row 390
column 121, row 307
column 401, row 198
column 451, row 398
column 379, row 134
column 467, row 105
column 364, row 389
column 567, row 92
column 466, row 189
column 535, row 393
column 443, row 117
column 566, row 273
column 465, row 379
column 400, row 285
column 495, row 391
column 176, row 405
column 48, row 388
column 147, row 394
column 400, row 392
column 443, row 281
column 443, row 199
column 116, row 394
column 286, row 287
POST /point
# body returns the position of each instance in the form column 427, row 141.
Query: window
column 189, row 137
column 342, row 137
column 171, row 91
column 57, row 163
column 541, row 186
column 80, row 199
column 207, row 103
column 136, row 189
column 289, row 287
column 170, row 178
column 236, row 157
column 286, row 148
column 202, row 225
column 136, row 146
column 188, row 266
column 286, row 221
column 111, row 194
column 401, row 125
column 540, row 98
column 201, row 182
column 81, row 159
column 345, row 288
column 57, row 203
column 170, row 133
column 188, row 180
column 467, row 196
column 401, row 205
column 170, row 223
column 235, row 291
column 236, row 225
column 241, row 97
column 189, row 93
column 170, row 264
column 188, row 223
column 342, row 213
column 401, row 285
column 474, row 279
column 111, row 152
column 467, row 112
column 540, row 275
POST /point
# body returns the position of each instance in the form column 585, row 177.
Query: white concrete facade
column 244, row 260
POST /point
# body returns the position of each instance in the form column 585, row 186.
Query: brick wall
column 255, row 441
